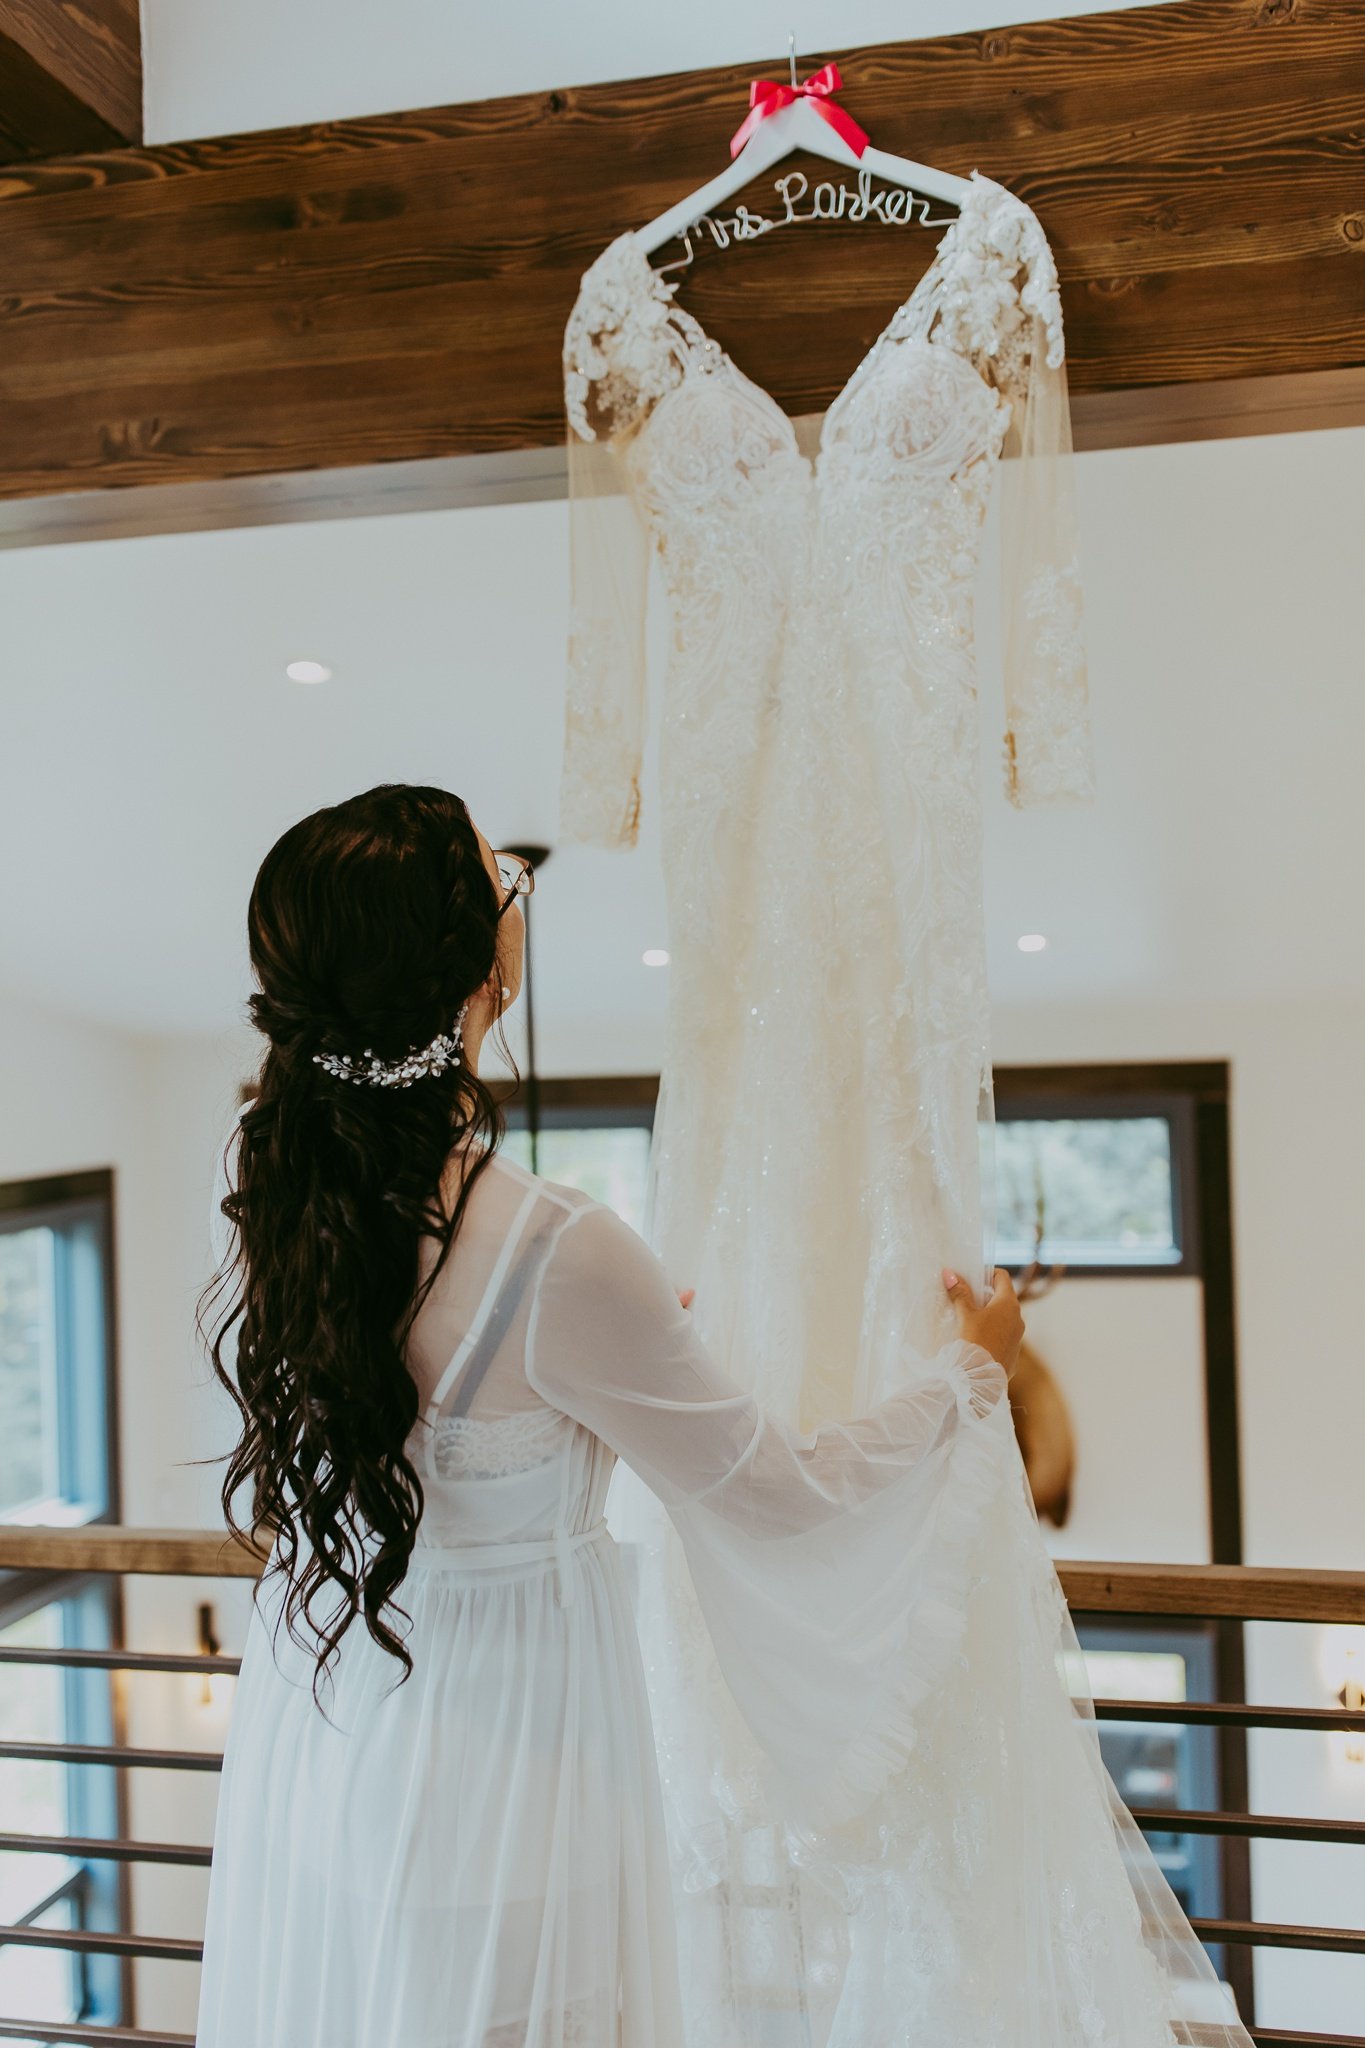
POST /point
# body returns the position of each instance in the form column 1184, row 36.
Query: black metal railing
column 1225, row 1594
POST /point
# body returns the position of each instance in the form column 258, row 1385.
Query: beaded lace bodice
column 819, row 770
column 902, row 473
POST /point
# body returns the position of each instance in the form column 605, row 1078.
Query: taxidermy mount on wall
column 1047, row 1441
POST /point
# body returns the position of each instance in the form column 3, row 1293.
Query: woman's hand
column 997, row 1324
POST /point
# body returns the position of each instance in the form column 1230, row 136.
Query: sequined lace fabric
column 825, row 1095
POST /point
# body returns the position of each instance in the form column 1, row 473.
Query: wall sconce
column 215, row 1687
column 1342, row 1661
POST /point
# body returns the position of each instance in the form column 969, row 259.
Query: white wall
column 73, row 1095
column 212, row 69
column 1137, row 1407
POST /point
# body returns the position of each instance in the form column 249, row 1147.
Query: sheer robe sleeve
column 830, row 1566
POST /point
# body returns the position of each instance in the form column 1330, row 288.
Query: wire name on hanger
column 894, row 206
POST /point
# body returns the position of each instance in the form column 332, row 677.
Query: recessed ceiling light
column 655, row 957
column 308, row 672
column 1032, row 942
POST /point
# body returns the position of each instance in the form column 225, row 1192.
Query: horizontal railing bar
column 1175, row 1820
column 1221, row 1714
column 1232, row 1592
column 1235, row 1592
column 77, row 2031
column 1275, row 2037
column 103, row 1849
column 106, row 1547
column 1275, row 1934
column 87, row 2036
column 96, row 1942
column 1193, row 1713
column 96, row 1753
column 125, row 1660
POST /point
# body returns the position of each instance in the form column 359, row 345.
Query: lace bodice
column 971, row 363
column 819, row 761
column 628, row 342
column 469, row 1447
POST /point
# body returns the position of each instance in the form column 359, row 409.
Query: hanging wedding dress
column 825, row 1087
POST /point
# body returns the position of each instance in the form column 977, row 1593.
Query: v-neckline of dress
column 980, row 187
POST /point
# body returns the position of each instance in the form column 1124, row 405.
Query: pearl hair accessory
column 368, row 1071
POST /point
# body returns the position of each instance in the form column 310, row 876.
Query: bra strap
column 471, row 1336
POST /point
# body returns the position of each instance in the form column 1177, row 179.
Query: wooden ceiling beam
column 70, row 77
column 369, row 313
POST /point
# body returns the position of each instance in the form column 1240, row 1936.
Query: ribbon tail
column 843, row 124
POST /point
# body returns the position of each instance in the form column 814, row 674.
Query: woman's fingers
column 997, row 1323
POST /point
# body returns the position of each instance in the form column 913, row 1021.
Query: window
column 1098, row 1185
column 594, row 1135
column 56, row 1403
column 1102, row 1191
column 1109, row 1179
column 58, row 1465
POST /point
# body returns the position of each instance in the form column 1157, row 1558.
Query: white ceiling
column 213, row 68
column 153, row 748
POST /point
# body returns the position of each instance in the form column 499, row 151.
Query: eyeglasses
column 518, row 877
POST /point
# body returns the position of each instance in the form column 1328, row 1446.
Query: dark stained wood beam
column 369, row 313
column 70, row 76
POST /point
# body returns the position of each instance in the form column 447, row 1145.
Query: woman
column 440, row 1823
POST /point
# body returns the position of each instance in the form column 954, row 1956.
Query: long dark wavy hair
column 371, row 923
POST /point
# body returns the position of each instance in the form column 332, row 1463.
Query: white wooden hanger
column 798, row 126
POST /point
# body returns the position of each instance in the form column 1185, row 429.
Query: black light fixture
column 535, row 858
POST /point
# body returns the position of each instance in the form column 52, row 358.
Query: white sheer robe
column 476, row 1858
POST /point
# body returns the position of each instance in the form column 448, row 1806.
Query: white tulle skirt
column 996, row 1894
column 472, row 1859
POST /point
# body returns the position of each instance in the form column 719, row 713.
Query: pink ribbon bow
column 767, row 97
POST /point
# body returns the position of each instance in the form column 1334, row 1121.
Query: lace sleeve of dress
column 625, row 346
column 1001, row 297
